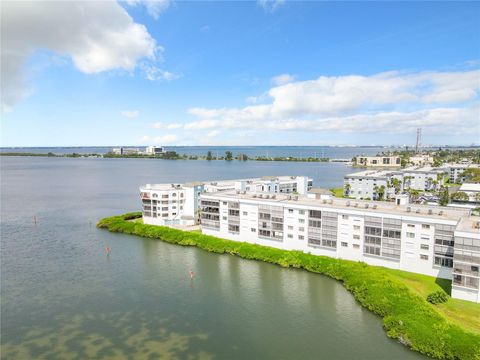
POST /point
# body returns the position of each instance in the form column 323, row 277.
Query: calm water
column 62, row 298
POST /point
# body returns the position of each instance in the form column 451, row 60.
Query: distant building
column 421, row 160
column 371, row 184
column 154, row 150
column 456, row 171
column 378, row 161
column 472, row 191
column 126, row 151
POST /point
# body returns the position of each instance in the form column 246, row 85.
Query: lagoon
column 63, row 298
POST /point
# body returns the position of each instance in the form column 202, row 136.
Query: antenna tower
column 418, row 145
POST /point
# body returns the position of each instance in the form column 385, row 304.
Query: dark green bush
column 437, row 297
column 406, row 316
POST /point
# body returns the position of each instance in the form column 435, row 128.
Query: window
column 301, row 237
column 424, row 246
column 356, row 246
column 301, row 221
column 356, row 227
column 253, row 230
column 301, row 229
column 245, row 213
column 301, row 212
column 290, row 211
column 356, row 237
column 181, row 207
column 345, row 217
column 224, row 217
column 290, row 236
column 410, row 235
column 423, row 257
column 181, row 195
column 411, row 226
column 290, row 227
column 174, row 213
column 174, row 194
column 425, row 226
column 344, row 244
column 224, row 203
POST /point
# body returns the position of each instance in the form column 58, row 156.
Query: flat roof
column 469, row 187
column 468, row 224
column 438, row 212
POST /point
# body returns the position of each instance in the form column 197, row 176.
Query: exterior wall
column 404, row 242
column 379, row 161
column 466, row 266
column 363, row 187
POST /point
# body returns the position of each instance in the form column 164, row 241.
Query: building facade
column 385, row 184
column 417, row 239
column 378, row 161
column 178, row 204
column 154, row 150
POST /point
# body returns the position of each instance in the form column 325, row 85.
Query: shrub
column 437, row 297
column 406, row 316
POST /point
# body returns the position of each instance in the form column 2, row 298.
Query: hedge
column 406, row 316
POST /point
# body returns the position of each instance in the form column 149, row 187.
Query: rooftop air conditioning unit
column 417, row 211
column 289, row 197
column 374, row 206
column 274, row 196
column 324, row 201
column 260, row 196
column 477, row 225
column 356, row 205
column 238, row 191
column 409, row 209
column 295, row 198
column 254, row 195
column 348, row 203
column 430, row 211
column 267, row 196
column 440, row 212
column 366, row 206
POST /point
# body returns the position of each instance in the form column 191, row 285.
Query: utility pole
column 419, row 140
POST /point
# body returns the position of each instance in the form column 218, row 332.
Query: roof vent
column 238, row 191
column 477, row 225
column 355, row 205
column 409, row 209
column 274, row 196
column 324, row 201
column 254, row 195
column 260, row 196
column 430, row 211
column 289, row 197
column 348, row 203
column 366, row 206
column 295, row 198
column 440, row 212
column 267, row 196
column 374, row 206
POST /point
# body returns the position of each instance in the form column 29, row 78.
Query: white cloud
column 213, row 133
column 172, row 126
column 97, row 36
column 130, row 113
column 270, row 5
column 282, row 79
column 161, row 140
column 153, row 73
column 154, row 7
column 443, row 102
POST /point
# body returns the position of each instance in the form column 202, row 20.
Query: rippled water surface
column 62, row 298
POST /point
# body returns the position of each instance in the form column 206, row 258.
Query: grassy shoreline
column 406, row 315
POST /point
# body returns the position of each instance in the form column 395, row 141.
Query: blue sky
column 240, row 73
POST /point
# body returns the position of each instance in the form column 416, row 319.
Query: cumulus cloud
column 130, row 113
column 96, row 35
column 154, row 7
column 270, row 5
column 282, row 79
column 393, row 102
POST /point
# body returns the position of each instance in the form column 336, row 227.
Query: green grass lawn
column 337, row 192
column 464, row 313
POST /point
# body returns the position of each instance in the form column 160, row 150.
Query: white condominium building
column 154, row 150
column 455, row 171
column 171, row 204
column 384, row 184
column 378, row 161
column 414, row 238
column 421, row 160
column 177, row 204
